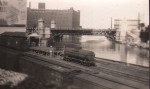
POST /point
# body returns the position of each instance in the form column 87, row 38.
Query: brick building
column 63, row 18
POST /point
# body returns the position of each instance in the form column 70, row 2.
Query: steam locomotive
column 84, row 57
column 19, row 41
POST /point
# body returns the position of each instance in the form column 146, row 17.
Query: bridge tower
column 121, row 29
column 53, row 24
column 41, row 30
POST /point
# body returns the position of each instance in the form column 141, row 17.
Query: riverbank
column 139, row 45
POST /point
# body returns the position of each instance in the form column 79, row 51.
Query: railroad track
column 132, row 68
column 119, row 80
column 107, row 70
column 120, row 74
column 125, row 71
column 101, row 72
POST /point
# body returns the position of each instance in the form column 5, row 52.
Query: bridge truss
column 109, row 33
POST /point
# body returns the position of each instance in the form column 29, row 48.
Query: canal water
column 110, row 50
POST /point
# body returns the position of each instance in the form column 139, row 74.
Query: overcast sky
column 98, row 13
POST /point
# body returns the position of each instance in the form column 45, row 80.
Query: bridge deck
column 103, row 32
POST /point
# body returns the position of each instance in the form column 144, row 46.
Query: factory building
column 68, row 18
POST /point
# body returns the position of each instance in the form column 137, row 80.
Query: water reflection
column 105, row 48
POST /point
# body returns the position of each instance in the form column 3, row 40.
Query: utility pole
column 111, row 23
column 139, row 21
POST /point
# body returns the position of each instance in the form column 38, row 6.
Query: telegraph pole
column 111, row 23
column 139, row 21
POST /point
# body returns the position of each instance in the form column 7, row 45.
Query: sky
column 97, row 13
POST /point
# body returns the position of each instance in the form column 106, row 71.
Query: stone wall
column 9, row 59
column 49, row 74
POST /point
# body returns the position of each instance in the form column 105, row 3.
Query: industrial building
column 68, row 18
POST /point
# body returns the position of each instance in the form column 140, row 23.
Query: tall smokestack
column 29, row 4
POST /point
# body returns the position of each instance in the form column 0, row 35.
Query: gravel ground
column 15, row 80
column 11, row 78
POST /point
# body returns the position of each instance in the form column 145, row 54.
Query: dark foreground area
column 44, row 72
column 10, row 80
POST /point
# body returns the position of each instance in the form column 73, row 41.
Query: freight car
column 49, row 51
column 14, row 40
column 84, row 57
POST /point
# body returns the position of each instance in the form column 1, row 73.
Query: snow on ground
column 11, row 78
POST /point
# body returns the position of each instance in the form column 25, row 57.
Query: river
column 110, row 50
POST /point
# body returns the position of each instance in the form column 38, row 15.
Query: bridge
column 110, row 33
column 82, row 31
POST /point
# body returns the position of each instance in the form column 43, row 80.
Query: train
column 19, row 41
column 83, row 57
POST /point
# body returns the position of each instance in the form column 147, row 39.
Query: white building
column 123, row 27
